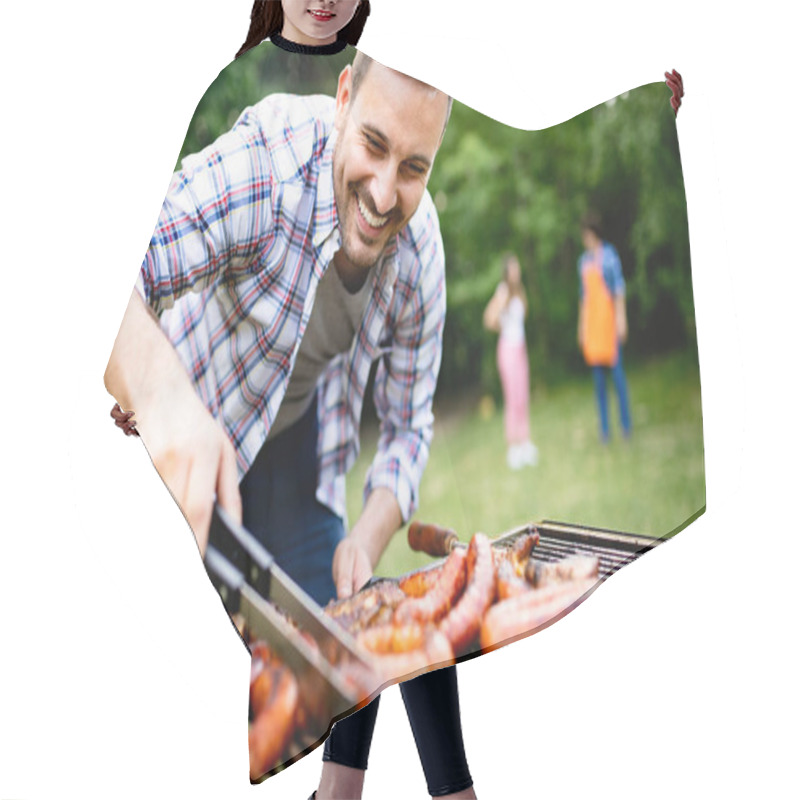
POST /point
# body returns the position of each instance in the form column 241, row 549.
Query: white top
column 512, row 321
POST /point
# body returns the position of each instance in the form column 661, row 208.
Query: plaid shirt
column 248, row 228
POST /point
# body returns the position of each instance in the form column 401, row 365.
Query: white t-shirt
column 512, row 321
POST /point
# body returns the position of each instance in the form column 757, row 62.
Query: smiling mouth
column 321, row 16
column 374, row 221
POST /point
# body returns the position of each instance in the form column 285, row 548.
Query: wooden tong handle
column 431, row 539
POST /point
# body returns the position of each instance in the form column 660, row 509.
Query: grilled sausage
column 511, row 563
column 432, row 606
column 261, row 685
column 524, row 613
column 392, row 638
column 401, row 649
column 574, row 568
column 419, row 583
column 509, row 583
column 521, row 550
column 433, row 651
column 273, row 726
column 463, row 622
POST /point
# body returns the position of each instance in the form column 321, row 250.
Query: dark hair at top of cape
column 266, row 19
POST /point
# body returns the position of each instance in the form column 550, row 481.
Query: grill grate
column 559, row 540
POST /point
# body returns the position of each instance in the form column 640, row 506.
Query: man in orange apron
column 602, row 321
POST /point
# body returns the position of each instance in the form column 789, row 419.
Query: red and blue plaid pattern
column 247, row 229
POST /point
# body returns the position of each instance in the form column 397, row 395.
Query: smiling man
column 237, row 273
column 389, row 129
column 298, row 249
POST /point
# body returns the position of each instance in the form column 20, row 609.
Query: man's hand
column 190, row 450
column 194, row 458
column 351, row 567
column 356, row 556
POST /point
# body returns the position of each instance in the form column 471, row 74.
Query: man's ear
column 344, row 95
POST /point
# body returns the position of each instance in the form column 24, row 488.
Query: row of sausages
column 479, row 598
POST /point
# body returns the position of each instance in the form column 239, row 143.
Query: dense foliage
column 500, row 189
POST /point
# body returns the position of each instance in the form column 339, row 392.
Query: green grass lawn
column 650, row 484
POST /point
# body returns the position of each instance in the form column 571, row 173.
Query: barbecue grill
column 252, row 586
column 558, row 540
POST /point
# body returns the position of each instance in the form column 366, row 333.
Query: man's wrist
column 359, row 536
column 379, row 521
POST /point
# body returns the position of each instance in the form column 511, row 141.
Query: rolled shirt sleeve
column 216, row 212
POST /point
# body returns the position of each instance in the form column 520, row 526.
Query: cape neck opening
column 313, row 50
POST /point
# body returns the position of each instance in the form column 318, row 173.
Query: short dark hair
column 266, row 19
column 591, row 221
column 361, row 64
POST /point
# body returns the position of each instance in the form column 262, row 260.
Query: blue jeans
column 280, row 508
column 621, row 387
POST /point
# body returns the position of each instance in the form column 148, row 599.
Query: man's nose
column 384, row 188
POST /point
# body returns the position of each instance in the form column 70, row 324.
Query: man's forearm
column 359, row 552
column 379, row 521
column 189, row 448
column 142, row 359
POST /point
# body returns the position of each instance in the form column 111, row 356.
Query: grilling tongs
column 251, row 584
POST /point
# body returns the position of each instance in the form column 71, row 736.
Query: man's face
column 388, row 136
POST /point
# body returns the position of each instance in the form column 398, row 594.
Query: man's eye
column 374, row 144
column 416, row 169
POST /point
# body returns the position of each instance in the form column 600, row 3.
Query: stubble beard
column 361, row 251
column 353, row 243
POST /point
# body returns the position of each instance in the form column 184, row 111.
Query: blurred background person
column 505, row 314
column 602, row 320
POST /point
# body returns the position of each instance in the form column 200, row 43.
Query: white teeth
column 372, row 220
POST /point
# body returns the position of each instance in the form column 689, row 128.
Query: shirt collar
column 326, row 218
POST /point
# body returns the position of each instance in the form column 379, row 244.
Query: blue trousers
column 280, row 508
column 621, row 387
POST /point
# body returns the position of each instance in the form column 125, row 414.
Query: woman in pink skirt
column 506, row 314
